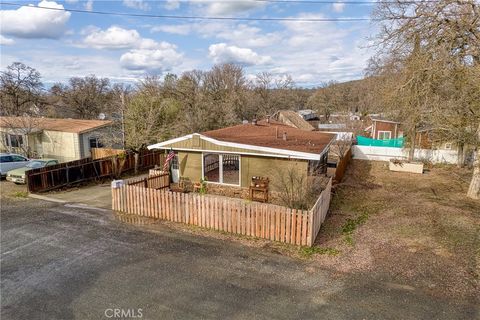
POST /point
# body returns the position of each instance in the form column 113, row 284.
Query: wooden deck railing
column 255, row 219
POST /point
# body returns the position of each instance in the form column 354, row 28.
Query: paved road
column 61, row 262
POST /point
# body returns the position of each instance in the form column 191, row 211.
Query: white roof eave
column 273, row 151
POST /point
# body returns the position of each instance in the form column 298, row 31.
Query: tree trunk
column 461, row 155
column 411, row 151
column 136, row 157
column 474, row 189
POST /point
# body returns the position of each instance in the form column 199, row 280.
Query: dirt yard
column 420, row 230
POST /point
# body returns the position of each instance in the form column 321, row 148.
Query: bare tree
column 20, row 89
column 424, row 44
column 88, row 96
column 297, row 191
column 21, row 129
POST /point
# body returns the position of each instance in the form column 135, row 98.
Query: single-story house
column 383, row 129
column 232, row 156
column 61, row 139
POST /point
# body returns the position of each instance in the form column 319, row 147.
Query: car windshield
column 36, row 164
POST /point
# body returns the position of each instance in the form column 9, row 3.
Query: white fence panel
column 386, row 154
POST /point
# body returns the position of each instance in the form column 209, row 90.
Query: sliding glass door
column 222, row 168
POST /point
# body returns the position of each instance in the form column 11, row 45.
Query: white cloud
column 89, row 5
column 4, row 41
column 182, row 29
column 172, row 4
column 242, row 35
column 71, row 1
column 28, row 22
column 161, row 59
column 338, row 7
column 221, row 53
column 144, row 54
column 230, row 6
column 112, row 38
column 136, row 4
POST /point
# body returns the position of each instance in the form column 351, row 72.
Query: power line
column 183, row 17
column 343, row 2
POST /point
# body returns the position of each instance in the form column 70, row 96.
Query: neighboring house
column 425, row 139
column 383, row 129
column 293, row 119
column 308, row 114
column 232, row 156
column 61, row 139
column 339, row 129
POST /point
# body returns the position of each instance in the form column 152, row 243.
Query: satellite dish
column 102, row 116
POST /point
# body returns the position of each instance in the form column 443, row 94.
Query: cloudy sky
column 63, row 44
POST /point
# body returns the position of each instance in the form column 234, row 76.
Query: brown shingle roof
column 264, row 135
column 52, row 124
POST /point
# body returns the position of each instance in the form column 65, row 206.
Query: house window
column 384, row 135
column 175, row 162
column 95, row 143
column 222, row 168
column 15, row 140
column 448, row 146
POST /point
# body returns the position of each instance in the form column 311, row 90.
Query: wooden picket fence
column 254, row 219
column 158, row 180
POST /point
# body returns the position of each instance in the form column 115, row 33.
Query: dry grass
column 418, row 229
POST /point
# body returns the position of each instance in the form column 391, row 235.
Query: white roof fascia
column 274, row 151
column 312, row 157
column 164, row 143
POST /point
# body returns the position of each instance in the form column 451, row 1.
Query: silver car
column 10, row 161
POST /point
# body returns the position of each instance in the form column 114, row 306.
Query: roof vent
column 285, row 136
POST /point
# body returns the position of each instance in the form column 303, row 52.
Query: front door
column 175, row 169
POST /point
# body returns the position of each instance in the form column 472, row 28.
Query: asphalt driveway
column 64, row 262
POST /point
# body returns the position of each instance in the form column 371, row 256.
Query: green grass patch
column 20, row 194
column 310, row 251
column 351, row 225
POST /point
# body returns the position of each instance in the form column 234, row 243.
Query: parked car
column 10, row 161
column 18, row 175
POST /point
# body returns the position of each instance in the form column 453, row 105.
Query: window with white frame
column 384, row 135
column 222, row 168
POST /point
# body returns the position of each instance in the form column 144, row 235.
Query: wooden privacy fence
column 99, row 153
column 255, row 219
column 342, row 166
column 73, row 172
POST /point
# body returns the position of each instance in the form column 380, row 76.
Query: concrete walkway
column 99, row 196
